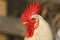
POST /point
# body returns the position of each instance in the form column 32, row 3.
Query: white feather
column 58, row 35
column 43, row 32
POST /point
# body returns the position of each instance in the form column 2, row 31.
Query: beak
column 25, row 23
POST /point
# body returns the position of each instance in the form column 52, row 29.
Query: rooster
column 37, row 27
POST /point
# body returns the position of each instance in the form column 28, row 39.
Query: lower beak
column 25, row 22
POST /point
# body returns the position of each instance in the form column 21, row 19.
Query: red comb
column 33, row 9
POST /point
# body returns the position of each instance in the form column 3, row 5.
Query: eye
column 33, row 18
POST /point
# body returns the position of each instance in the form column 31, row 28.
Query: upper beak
column 25, row 23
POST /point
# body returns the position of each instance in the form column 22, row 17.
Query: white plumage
column 58, row 35
column 43, row 32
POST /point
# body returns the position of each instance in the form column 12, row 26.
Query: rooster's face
column 27, row 19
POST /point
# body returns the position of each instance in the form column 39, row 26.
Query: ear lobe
column 36, row 24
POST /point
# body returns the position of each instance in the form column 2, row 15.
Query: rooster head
column 27, row 19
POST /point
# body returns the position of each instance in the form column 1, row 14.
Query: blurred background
column 12, row 9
